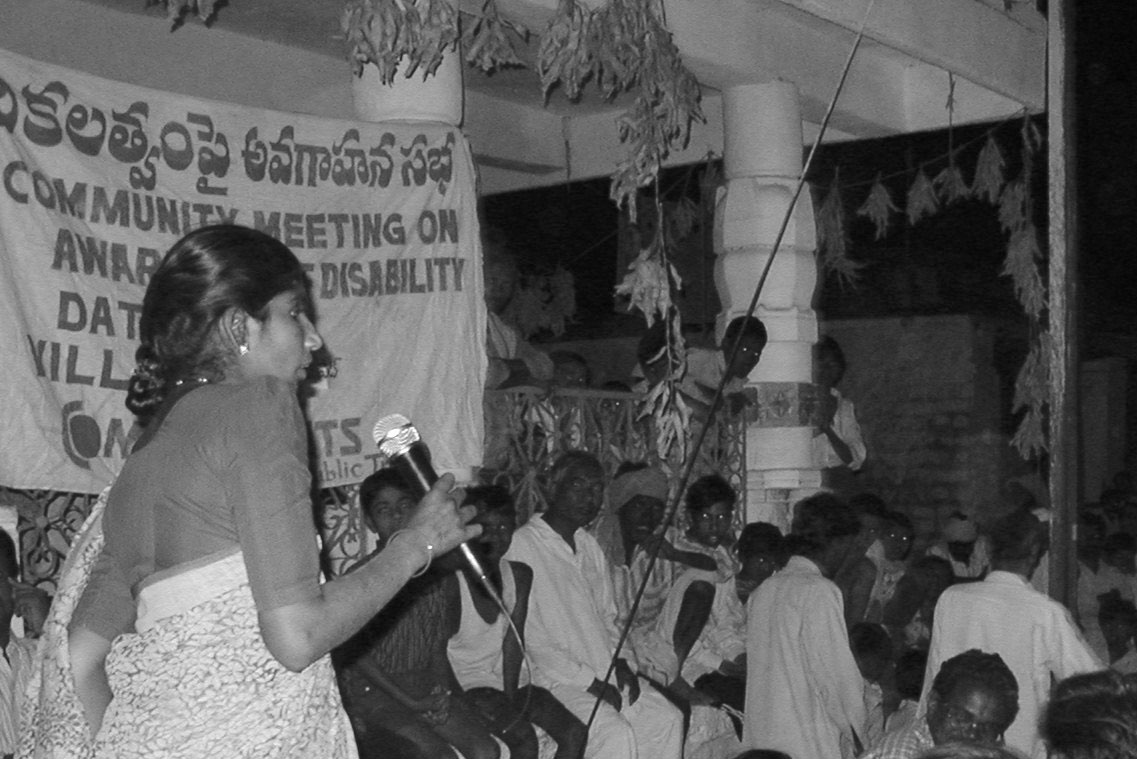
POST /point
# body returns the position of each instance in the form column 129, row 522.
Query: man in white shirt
column 804, row 692
column 571, row 631
column 1003, row 614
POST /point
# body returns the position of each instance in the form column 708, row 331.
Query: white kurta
column 571, row 634
column 804, row 693
column 1034, row 635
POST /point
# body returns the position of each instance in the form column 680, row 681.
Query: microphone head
column 394, row 435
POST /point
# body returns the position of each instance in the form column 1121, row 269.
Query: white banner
column 97, row 180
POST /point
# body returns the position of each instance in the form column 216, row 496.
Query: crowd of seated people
column 814, row 644
column 835, row 640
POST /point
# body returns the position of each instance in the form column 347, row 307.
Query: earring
column 243, row 349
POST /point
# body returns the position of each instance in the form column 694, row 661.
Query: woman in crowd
column 204, row 629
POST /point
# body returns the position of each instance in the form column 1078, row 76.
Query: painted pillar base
column 762, row 161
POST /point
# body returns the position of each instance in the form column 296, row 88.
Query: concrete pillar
column 438, row 98
column 762, row 159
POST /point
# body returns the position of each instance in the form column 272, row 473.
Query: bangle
column 429, row 550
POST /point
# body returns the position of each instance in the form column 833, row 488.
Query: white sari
column 194, row 680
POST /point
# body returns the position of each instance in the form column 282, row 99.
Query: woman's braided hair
column 204, row 274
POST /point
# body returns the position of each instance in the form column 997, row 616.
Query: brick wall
column 928, row 399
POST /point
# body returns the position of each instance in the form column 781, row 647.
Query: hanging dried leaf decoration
column 664, row 402
column 878, row 207
column 563, row 57
column 989, row 172
column 921, row 198
column 486, row 40
column 384, row 31
column 681, row 217
column 1022, row 266
column 667, row 99
column 950, row 185
column 1012, row 206
column 1032, row 392
column 176, row 10
column 649, row 281
column 832, row 238
column 1031, row 136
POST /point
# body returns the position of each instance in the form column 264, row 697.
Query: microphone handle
column 414, row 465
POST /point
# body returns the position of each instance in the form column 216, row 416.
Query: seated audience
column 1110, row 505
column 639, row 493
column 570, row 369
column 872, row 650
column 395, row 676
column 512, row 360
column 1003, row 614
column 760, row 551
column 961, row 544
column 712, row 668
column 970, row 750
column 571, row 629
column 18, row 650
column 710, row 514
column 1091, row 539
column 857, row 576
column 1118, row 569
column 1093, row 716
column 895, row 545
column 485, row 654
column 908, row 615
column 1117, row 621
column 804, row 693
column 909, row 680
column 974, row 697
column 30, row 604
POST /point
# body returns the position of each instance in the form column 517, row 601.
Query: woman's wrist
column 417, row 545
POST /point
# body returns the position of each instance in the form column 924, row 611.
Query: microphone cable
column 692, row 455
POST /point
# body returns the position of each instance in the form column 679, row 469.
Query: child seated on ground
column 909, row 613
column 666, row 645
column 909, row 679
column 872, row 650
column 638, row 493
column 711, row 669
column 484, row 652
column 394, row 674
column 1118, row 620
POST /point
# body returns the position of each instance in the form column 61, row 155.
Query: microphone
column 399, row 441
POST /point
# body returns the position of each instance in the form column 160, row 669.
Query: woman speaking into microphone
column 204, row 626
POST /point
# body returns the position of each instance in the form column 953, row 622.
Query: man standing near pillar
column 804, row 692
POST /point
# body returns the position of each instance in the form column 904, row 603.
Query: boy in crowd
column 485, row 653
